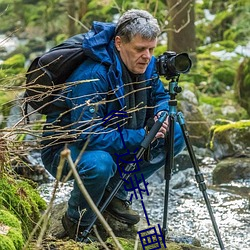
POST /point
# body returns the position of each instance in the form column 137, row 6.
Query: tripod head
column 174, row 89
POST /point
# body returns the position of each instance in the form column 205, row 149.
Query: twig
column 66, row 154
column 99, row 238
column 77, row 21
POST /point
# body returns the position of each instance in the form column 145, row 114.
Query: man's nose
column 146, row 54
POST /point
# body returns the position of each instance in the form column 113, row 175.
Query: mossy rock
column 231, row 139
column 11, row 237
column 21, row 199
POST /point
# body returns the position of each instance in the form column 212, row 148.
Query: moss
column 125, row 243
column 225, row 75
column 16, row 61
column 219, row 102
column 235, row 125
column 13, row 71
column 22, row 200
column 6, row 243
column 220, row 131
column 16, row 237
column 229, row 45
column 9, row 219
column 214, row 101
column 13, row 239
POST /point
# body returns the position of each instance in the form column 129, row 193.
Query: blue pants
column 98, row 171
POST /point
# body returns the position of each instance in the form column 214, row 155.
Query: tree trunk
column 83, row 7
column 181, row 27
column 71, row 6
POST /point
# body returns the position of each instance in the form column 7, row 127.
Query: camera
column 171, row 65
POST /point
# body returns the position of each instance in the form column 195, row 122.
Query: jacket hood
column 98, row 43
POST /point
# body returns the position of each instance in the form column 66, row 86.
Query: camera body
column 171, row 65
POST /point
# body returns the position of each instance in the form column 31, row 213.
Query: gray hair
column 137, row 22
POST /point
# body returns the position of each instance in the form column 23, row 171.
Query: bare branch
column 66, row 154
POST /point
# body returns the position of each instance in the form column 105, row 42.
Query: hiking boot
column 75, row 231
column 121, row 211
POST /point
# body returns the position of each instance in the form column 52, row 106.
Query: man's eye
column 139, row 50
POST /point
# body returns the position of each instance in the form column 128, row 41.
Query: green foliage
column 6, row 243
column 219, row 102
column 229, row 23
column 22, row 200
column 216, row 67
column 12, row 67
column 214, row 101
column 17, row 61
column 126, row 243
column 224, row 75
column 9, row 219
column 60, row 38
column 13, row 239
column 160, row 49
column 242, row 84
column 221, row 23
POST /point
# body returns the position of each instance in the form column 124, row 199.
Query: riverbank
column 188, row 217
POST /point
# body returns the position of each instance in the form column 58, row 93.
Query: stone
column 231, row 169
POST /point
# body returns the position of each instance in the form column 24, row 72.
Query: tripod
column 173, row 90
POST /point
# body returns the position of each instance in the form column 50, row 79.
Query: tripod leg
column 199, row 176
column 168, row 171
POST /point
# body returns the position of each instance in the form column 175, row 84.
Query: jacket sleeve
column 87, row 103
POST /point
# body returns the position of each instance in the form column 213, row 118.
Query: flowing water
column 187, row 212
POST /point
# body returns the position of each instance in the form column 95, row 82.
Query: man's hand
column 164, row 128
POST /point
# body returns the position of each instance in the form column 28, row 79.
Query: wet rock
column 122, row 231
column 231, row 169
column 181, row 179
column 197, row 125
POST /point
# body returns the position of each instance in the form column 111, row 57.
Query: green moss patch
column 22, row 200
column 10, row 231
column 230, row 134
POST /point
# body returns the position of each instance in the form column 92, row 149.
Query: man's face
column 137, row 53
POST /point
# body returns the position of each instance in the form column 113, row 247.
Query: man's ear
column 118, row 43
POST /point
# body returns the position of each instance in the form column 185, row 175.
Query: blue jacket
column 90, row 101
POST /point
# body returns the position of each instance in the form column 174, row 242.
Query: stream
column 188, row 216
